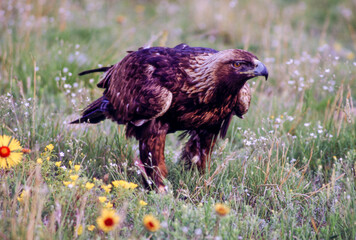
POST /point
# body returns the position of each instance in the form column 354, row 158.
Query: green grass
column 286, row 171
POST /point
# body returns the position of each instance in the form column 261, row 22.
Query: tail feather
column 102, row 69
column 95, row 112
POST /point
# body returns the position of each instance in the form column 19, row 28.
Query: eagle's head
column 233, row 67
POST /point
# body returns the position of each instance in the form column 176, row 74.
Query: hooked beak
column 260, row 69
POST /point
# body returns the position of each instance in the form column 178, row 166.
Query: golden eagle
column 155, row 91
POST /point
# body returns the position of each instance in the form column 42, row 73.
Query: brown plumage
column 156, row 91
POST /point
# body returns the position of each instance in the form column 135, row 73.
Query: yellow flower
column 66, row 183
column 151, row 223
column 74, row 177
column 91, row 228
column 124, row 184
column 39, row 161
column 24, row 194
column 107, row 188
column 48, row 158
column 272, row 117
column 221, row 209
column 350, row 55
column 102, row 199
column 10, row 154
column 58, row 164
column 132, row 185
column 115, row 183
column 80, row 230
column 49, row 147
column 108, row 205
column 77, row 168
column 108, row 220
column 139, row 8
column 89, row 185
column 142, row 203
column 70, row 162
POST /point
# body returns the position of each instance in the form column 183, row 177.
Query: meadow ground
column 286, row 171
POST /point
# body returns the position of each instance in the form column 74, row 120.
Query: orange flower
column 221, row 209
column 151, row 223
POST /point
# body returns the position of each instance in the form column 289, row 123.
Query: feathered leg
column 198, row 149
column 152, row 157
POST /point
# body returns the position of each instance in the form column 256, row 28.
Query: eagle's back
column 165, row 83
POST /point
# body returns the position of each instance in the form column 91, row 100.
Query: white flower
column 65, row 70
column 61, row 154
column 164, row 224
column 289, row 62
column 198, row 231
column 306, row 124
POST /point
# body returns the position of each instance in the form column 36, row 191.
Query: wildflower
column 102, row 199
column 49, row 147
column 124, row 184
column 272, row 117
column 108, row 220
column 9, row 152
column 350, row 55
column 23, row 195
column 151, row 223
column 132, row 185
column 66, row 183
column 139, row 8
column 80, row 230
column 39, row 161
column 91, row 228
column 77, row 168
column 26, row 150
column 107, row 188
column 198, row 231
column 142, row 203
column 74, row 177
column 120, row 19
column 115, row 183
column 58, row 164
column 109, row 205
column 89, row 185
column 48, row 158
column 61, row 154
column 221, row 209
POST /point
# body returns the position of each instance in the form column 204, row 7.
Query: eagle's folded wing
column 136, row 92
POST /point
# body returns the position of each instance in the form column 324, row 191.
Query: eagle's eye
column 236, row 64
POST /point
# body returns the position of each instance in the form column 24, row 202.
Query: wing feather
column 136, row 88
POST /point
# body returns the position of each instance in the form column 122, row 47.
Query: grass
column 286, row 171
